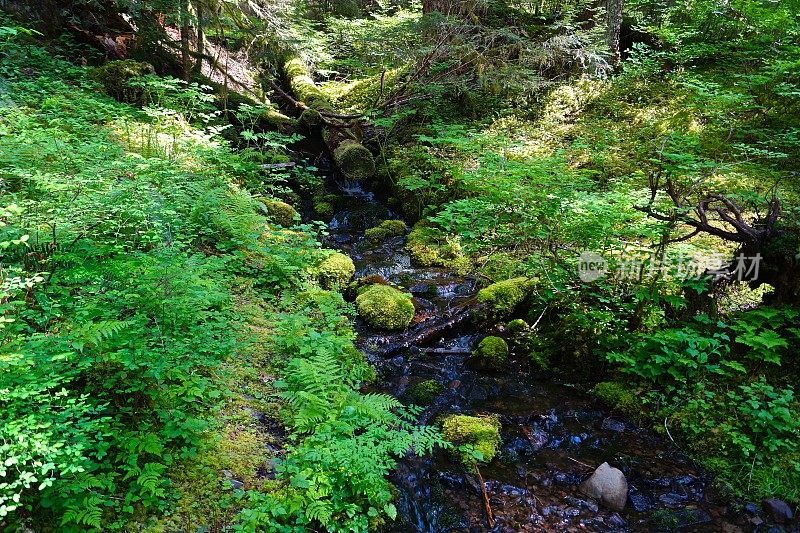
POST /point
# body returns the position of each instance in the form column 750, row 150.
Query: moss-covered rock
column 620, row 397
column 517, row 326
column 504, row 296
column 492, row 351
column 476, row 433
column 424, row 392
column 280, row 212
column 323, row 209
column 429, row 246
column 335, row 271
column 384, row 307
column 384, row 230
column 115, row 77
column 354, row 160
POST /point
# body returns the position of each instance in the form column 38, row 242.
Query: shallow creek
column 553, row 434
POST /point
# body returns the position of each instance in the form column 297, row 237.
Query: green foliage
column 385, row 307
column 335, row 474
column 620, row 397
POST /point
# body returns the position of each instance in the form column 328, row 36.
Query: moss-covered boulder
column 517, row 326
column 323, row 209
column 424, row 392
column 354, row 160
column 504, row 296
column 335, row 271
column 384, row 307
column 384, row 230
column 493, row 352
column 620, row 397
column 479, row 434
column 280, row 212
column 430, row 246
column 115, row 77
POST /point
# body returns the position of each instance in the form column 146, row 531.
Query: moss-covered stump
column 424, row 392
column 492, row 352
column 280, row 213
column 115, row 77
column 503, row 297
column 384, row 230
column 429, row 246
column 384, row 307
column 477, row 437
column 335, row 271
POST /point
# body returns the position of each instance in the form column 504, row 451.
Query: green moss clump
column 619, row 397
column 517, row 326
column 280, row 212
column 311, row 118
column 504, row 296
column 303, row 85
column 384, row 230
column 493, row 351
column 115, row 76
column 429, row 246
column 354, row 160
column 335, row 271
column 385, row 307
column 424, row 392
column 323, row 209
column 473, row 433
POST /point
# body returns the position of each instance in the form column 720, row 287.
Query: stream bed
column 553, row 434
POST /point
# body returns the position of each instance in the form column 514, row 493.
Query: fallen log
column 342, row 135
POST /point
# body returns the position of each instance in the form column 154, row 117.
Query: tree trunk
column 186, row 58
column 455, row 8
column 198, row 7
column 613, row 26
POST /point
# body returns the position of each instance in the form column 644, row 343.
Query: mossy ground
column 429, row 246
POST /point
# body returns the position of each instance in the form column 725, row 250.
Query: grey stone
column 779, row 510
column 608, row 485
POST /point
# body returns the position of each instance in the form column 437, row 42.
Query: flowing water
column 553, row 434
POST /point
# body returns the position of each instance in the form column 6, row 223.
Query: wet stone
column 672, row 499
column 640, row 502
column 778, row 510
column 751, row 508
column 613, row 425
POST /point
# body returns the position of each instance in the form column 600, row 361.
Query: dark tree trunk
column 200, row 36
column 186, row 57
column 613, row 26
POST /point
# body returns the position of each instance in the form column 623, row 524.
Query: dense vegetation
column 166, row 313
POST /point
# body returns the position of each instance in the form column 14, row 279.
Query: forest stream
column 553, row 434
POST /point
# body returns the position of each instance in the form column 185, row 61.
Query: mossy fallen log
column 342, row 135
